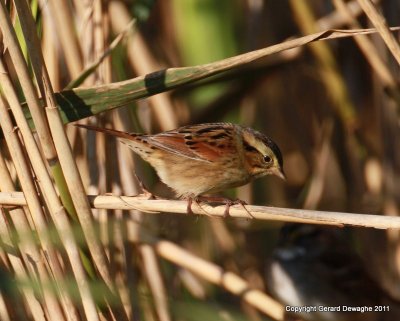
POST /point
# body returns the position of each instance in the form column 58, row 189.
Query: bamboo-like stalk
column 332, row 20
column 142, row 203
column 31, row 94
column 150, row 265
column 11, row 41
column 215, row 274
column 50, row 48
column 4, row 315
column 101, row 38
column 258, row 212
column 22, row 168
column 329, row 72
column 336, row 18
column 317, row 181
column 143, row 62
column 31, row 304
column 369, row 51
column 28, row 187
column 78, row 195
column 129, row 186
column 64, row 150
column 63, row 22
column 155, row 281
column 338, row 93
column 100, row 59
column 98, row 36
column 380, row 24
column 101, row 75
column 56, row 209
column 28, row 249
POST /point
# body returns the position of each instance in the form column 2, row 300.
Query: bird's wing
column 206, row 142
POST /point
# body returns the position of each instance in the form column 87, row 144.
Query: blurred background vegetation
column 331, row 106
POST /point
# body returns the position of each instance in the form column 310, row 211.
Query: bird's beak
column 280, row 173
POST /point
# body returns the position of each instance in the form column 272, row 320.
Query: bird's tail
column 109, row 131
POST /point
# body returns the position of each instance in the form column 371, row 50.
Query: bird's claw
column 228, row 203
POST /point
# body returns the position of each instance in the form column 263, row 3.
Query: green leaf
column 76, row 104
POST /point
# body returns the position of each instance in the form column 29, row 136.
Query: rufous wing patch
column 174, row 144
column 195, row 144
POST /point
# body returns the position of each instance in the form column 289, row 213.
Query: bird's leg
column 243, row 204
column 228, row 203
column 189, row 205
column 191, row 200
column 195, row 200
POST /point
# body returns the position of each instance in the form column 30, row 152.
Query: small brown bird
column 206, row 158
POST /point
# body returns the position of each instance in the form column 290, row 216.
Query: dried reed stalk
column 336, row 18
column 258, row 212
column 369, row 51
column 144, row 63
column 154, row 278
column 54, row 205
column 26, row 178
column 63, row 22
column 215, row 274
column 330, row 75
column 380, row 24
column 142, row 203
column 64, row 152
column 27, row 248
column 56, row 210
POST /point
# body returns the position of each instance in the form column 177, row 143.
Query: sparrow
column 206, row 158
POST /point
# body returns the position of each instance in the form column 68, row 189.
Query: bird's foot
column 224, row 200
column 189, row 205
column 194, row 200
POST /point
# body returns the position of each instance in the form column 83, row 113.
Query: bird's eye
column 267, row 159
